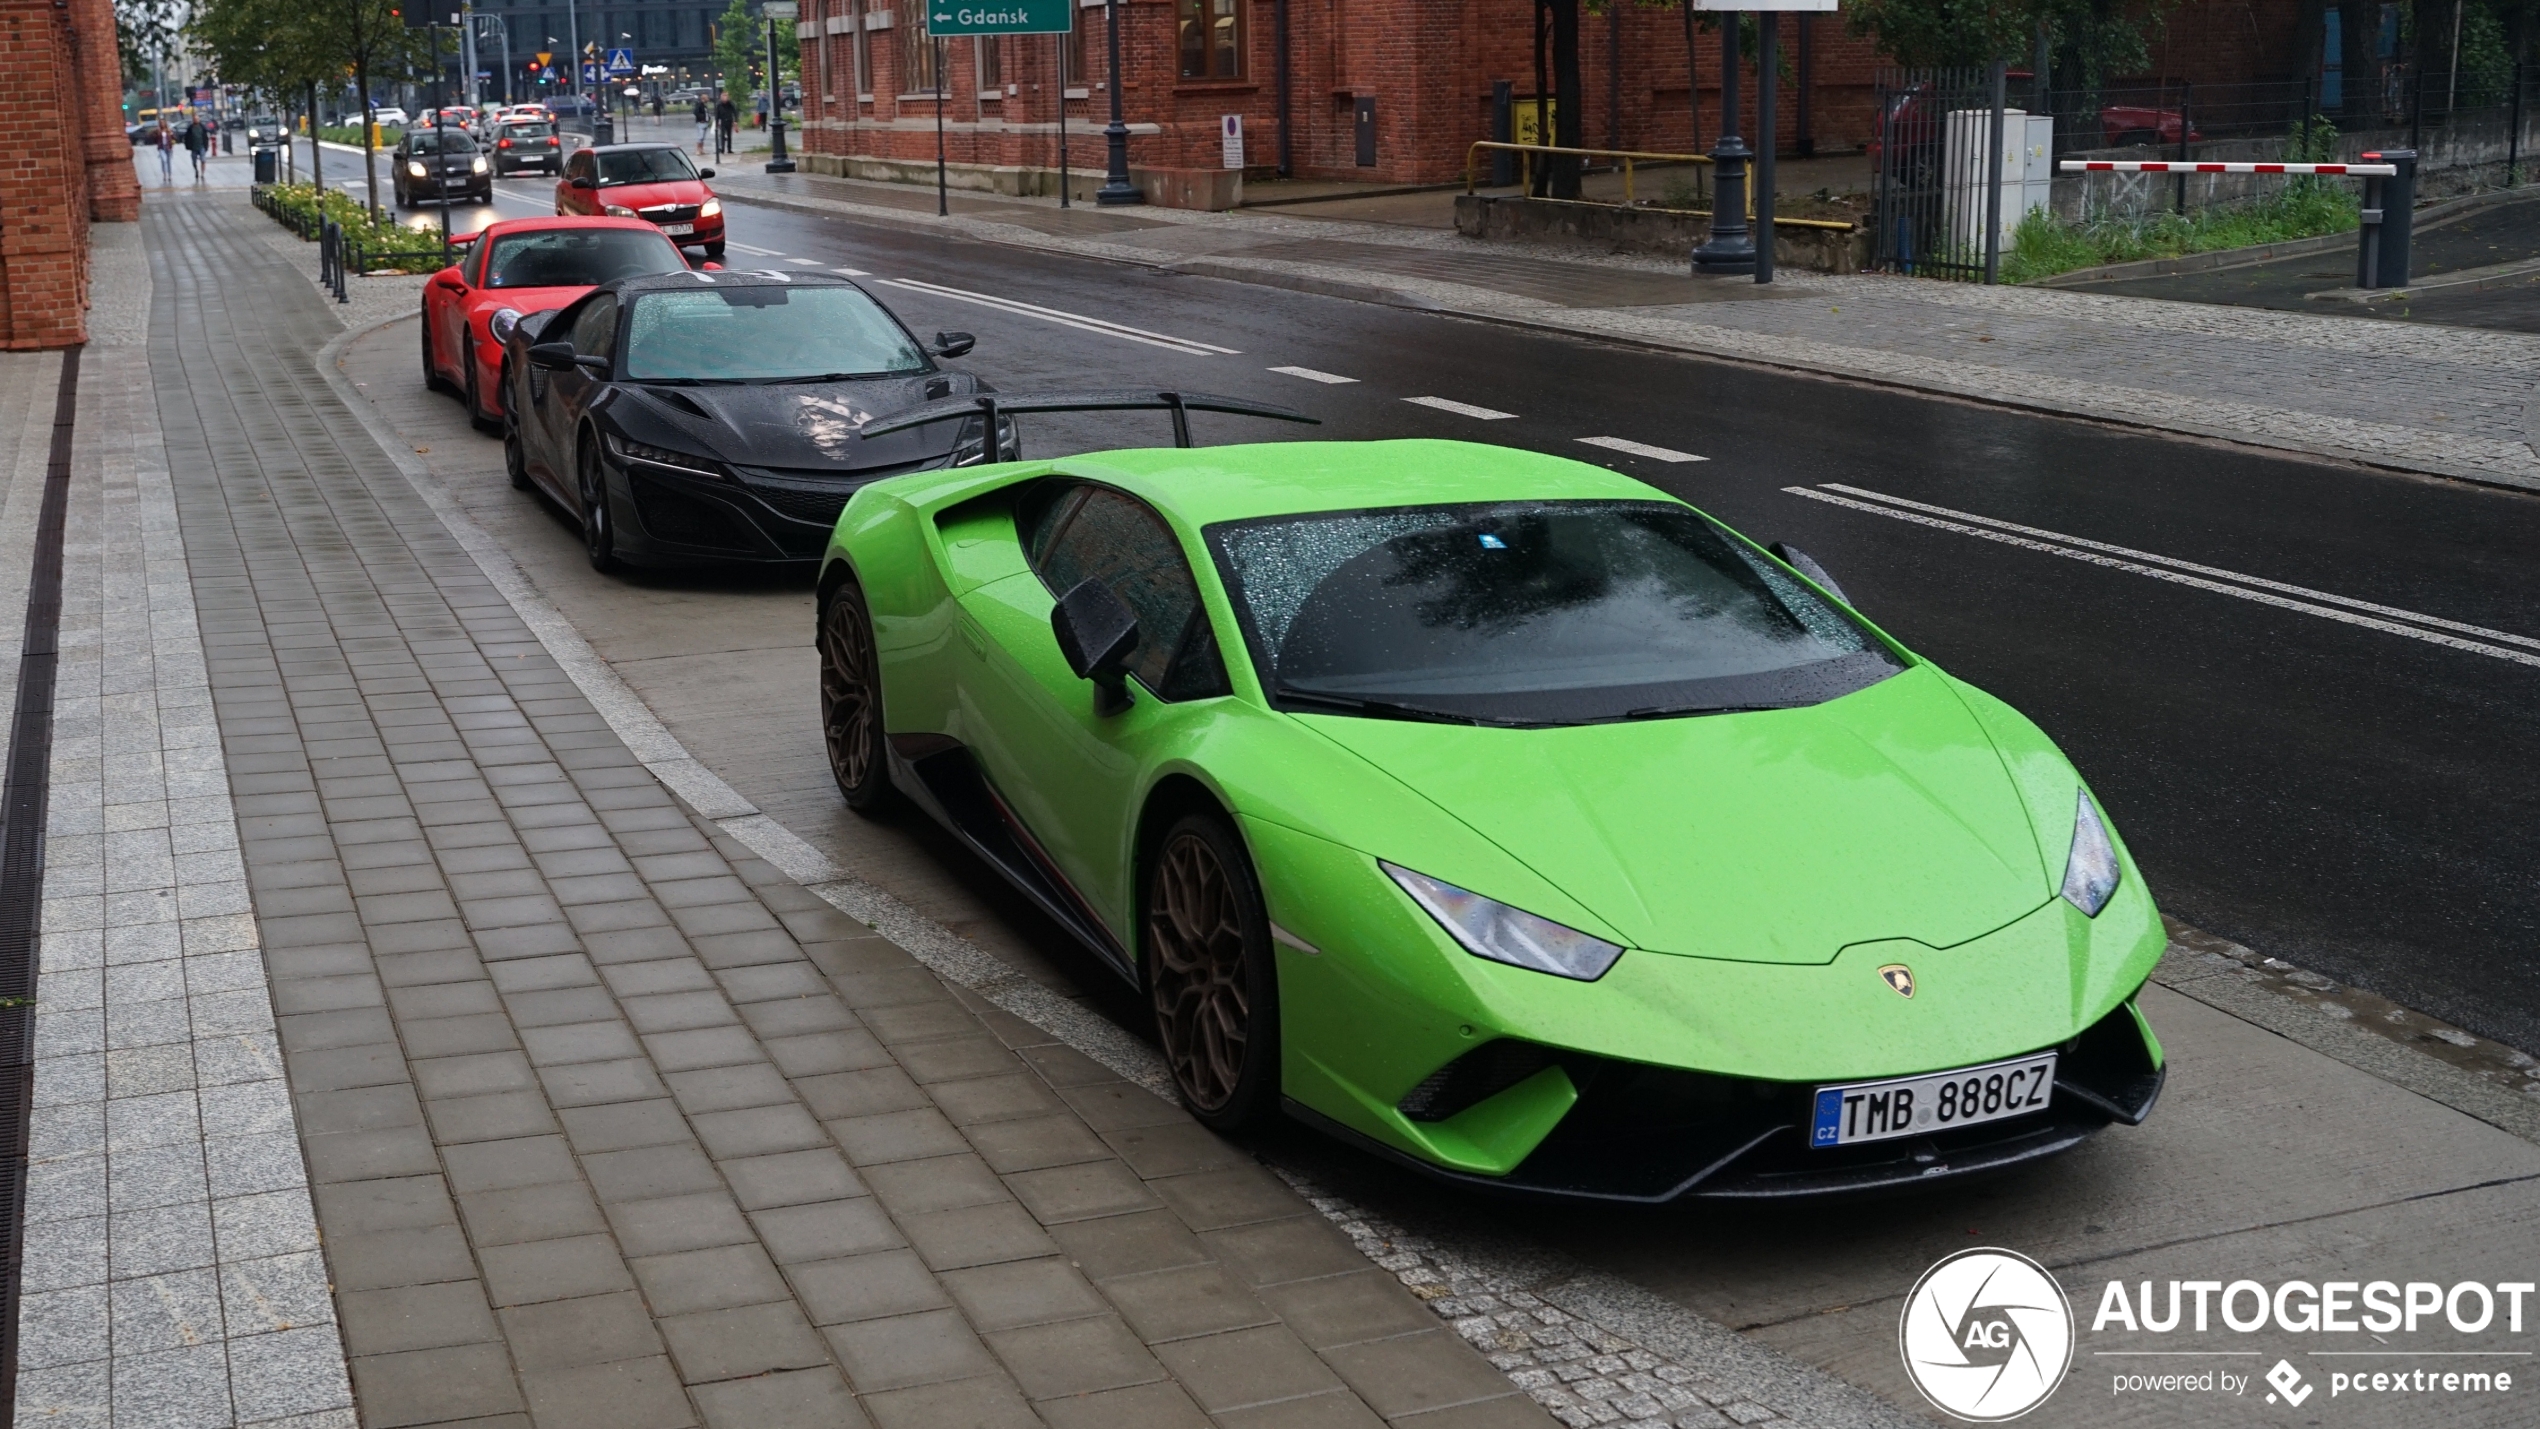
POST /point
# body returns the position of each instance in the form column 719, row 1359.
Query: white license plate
column 1935, row 1101
column 678, row 228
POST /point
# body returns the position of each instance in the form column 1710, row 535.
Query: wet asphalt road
column 2356, row 801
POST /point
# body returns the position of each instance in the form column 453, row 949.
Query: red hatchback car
column 653, row 182
column 526, row 265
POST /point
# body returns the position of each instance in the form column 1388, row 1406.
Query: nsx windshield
column 644, row 166
column 579, row 258
column 1534, row 613
column 771, row 332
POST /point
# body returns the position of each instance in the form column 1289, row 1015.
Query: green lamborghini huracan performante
column 1498, row 813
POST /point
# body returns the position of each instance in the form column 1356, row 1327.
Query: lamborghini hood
column 1775, row 836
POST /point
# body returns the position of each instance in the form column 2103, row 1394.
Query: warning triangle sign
column 544, row 56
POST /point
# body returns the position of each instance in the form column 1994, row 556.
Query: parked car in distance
column 389, row 117
column 2138, row 124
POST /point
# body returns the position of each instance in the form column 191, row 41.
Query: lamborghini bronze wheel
column 851, row 701
column 1210, row 973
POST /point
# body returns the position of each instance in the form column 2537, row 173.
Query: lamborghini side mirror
column 1096, row 633
column 953, row 344
column 1800, row 561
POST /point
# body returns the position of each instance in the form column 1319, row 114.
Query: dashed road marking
column 1066, row 319
column 1643, row 449
column 808, row 262
column 1462, row 409
column 756, row 252
column 1310, row 375
column 851, row 272
column 2344, row 609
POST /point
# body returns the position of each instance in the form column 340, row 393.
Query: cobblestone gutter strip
column 2333, row 373
column 1599, row 1351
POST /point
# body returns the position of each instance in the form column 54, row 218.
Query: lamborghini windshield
column 1534, row 613
column 767, row 332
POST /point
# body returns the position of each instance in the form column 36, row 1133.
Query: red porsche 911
column 525, row 265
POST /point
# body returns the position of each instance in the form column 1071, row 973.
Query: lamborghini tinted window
column 1540, row 613
column 1095, row 533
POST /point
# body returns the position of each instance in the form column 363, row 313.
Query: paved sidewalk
column 609, row 1122
column 2414, row 397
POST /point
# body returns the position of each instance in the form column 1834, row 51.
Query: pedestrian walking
column 705, row 122
column 762, row 109
column 165, row 142
column 198, row 141
column 726, row 114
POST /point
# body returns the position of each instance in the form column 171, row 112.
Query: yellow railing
column 1526, row 153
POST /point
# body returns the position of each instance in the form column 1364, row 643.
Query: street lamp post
column 777, row 163
column 1116, row 188
column 1730, row 251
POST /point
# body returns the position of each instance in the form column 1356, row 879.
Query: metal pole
column 777, row 163
column 467, row 51
column 1116, row 188
column 1992, row 172
column 1730, row 249
column 2186, row 97
column 1287, row 142
column 943, row 184
column 1767, row 61
column 1063, row 182
column 1807, row 85
column 440, row 141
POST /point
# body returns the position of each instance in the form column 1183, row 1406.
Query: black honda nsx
column 717, row 416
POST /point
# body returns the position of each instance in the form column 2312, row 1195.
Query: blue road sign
column 590, row 71
column 621, row 63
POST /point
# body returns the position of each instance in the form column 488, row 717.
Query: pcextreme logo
column 1986, row 1335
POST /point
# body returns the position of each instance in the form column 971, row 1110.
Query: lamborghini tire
column 851, row 703
column 1212, row 976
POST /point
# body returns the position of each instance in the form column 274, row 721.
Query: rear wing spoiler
column 992, row 405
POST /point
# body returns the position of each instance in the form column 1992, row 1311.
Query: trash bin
column 268, row 166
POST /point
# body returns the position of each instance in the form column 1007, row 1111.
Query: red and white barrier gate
column 2157, row 166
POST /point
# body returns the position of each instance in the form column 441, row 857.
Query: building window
column 1071, row 49
column 922, row 73
column 1212, row 38
column 991, row 64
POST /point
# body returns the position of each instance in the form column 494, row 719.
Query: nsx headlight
column 1490, row 929
column 502, row 323
column 617, row 210
column 710, row 208
column 2090, row 870
column 682, row 462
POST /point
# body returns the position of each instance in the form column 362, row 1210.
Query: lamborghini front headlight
column 1487, row 928
column 2090, row 870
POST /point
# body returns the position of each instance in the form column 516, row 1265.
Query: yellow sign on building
column 1524, row 128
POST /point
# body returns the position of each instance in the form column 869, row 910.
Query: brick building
column 1392, row 91
column 68, row 163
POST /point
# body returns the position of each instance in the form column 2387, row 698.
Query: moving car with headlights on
column 715, row 416
column 522, row 266
column 526, row 144
column 653, row 182
column 438, row 164
column 1497, row 813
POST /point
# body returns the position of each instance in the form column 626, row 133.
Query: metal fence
column 1929, row 210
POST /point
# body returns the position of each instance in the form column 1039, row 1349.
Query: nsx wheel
column 515, row 456
column 1210, row 973
column 599, row 531
column 851, row 702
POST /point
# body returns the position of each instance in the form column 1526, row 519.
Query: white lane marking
column 2262, row 597
column 1632, row 448
column 1066, row 319
column 807, row 262
column 1462, row 409
column 1310, row 375
column 851, row 272
column 759, row 252
column 2349, row 602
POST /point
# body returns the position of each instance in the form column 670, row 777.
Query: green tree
column 2089, row 40
column 736, row 35
column 287, row 47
